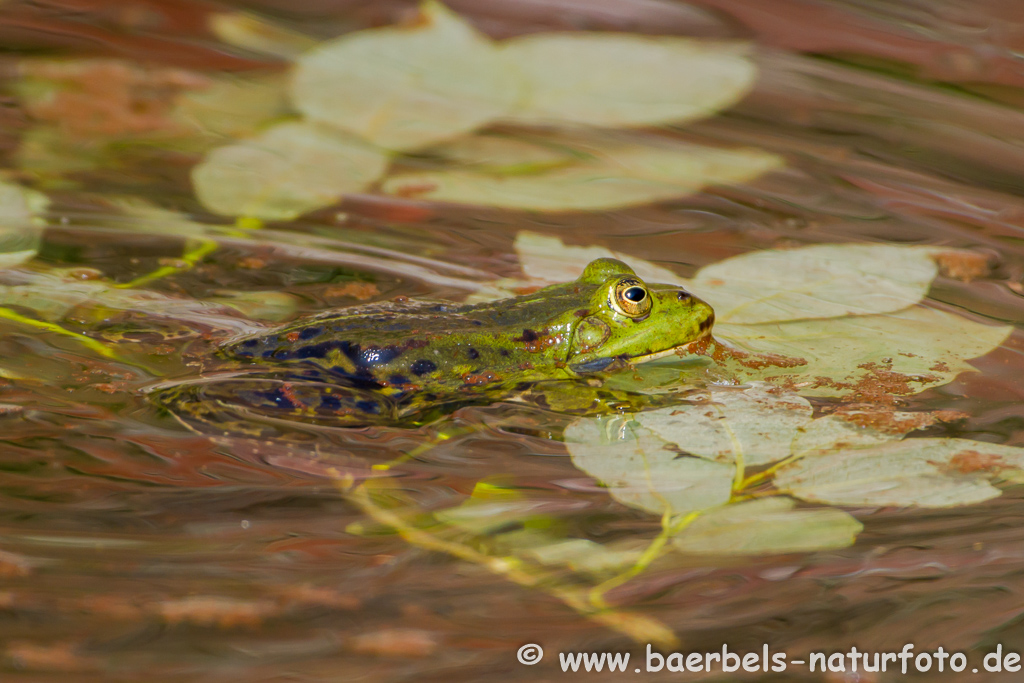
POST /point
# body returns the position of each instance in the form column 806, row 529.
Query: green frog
column 407, row 361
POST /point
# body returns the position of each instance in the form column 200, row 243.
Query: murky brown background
column 136, row 550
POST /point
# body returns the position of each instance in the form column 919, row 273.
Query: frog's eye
column 631, row 298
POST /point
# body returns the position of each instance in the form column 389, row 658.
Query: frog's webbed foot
column 261, row 404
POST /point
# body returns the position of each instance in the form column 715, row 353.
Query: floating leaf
column 613, row 171
column 504, row 154
column 621, row 80
column 821, row 281
column 644, row 471
column 548, row 260
column 924, row 472
column 407, row 87
column 768, row 525
column 290, row 169
column 256, row 33
column 755, row 425
column 899, row 353
column 234, row 106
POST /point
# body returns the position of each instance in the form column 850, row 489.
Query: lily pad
column 866, row 356
column 821, row 281
column 620, row 80
column 768, row 525
column 612, row 171
column 644, row 471
column 407, row 87
column 922, row 472
column 234, row 106
column 288, row 170
column 756, row 425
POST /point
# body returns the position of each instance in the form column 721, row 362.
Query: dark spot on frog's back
column 310, row 332
column 528, row 336
column 422, row 367
column 330, row 402
column 472, row 353
column 398, row 379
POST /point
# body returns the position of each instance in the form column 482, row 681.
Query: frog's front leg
column 253, row 403
column 583, row 397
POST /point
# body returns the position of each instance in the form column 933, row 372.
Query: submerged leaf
column 20, row 208
column 288, row 170
column 924, row 472
column 768, row 525
column 611, row 171
column 406, row 87
column 821, row 281
column 644, row 471
column 623, row 80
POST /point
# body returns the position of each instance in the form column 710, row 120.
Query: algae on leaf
column 866, row 356
column 618, row 80
column 921, row 472
column 286, row 171
column 407, row 87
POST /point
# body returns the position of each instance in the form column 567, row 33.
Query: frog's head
column 627, row 319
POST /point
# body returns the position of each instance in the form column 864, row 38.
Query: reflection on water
column 132, row 547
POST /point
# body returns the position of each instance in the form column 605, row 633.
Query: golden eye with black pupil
column 631, row 298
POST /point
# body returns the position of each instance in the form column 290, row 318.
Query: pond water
column 134, row 548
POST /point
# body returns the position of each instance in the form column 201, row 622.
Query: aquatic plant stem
column 669, row 528
column 195, row 251
column 639, row 628
column 88, row 342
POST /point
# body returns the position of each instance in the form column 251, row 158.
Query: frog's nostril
column 683, row 295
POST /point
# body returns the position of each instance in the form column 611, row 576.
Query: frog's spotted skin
column 382, row 362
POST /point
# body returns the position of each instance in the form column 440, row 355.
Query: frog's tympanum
column 404, row 361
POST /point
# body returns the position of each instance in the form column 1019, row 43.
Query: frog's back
column 409, row 345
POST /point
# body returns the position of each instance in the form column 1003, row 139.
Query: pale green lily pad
column 858, row 429
column 548, row 260
column 407, row 87
column 899, row 353
column 768, row 525
column 821, row 281
column 619, row 80
column 288, row 170
column 756, row 425
column 504, row 154
column 234, row 106
column 922, row 472
column 613, row 171
column 644, row 471
column 20, row 234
